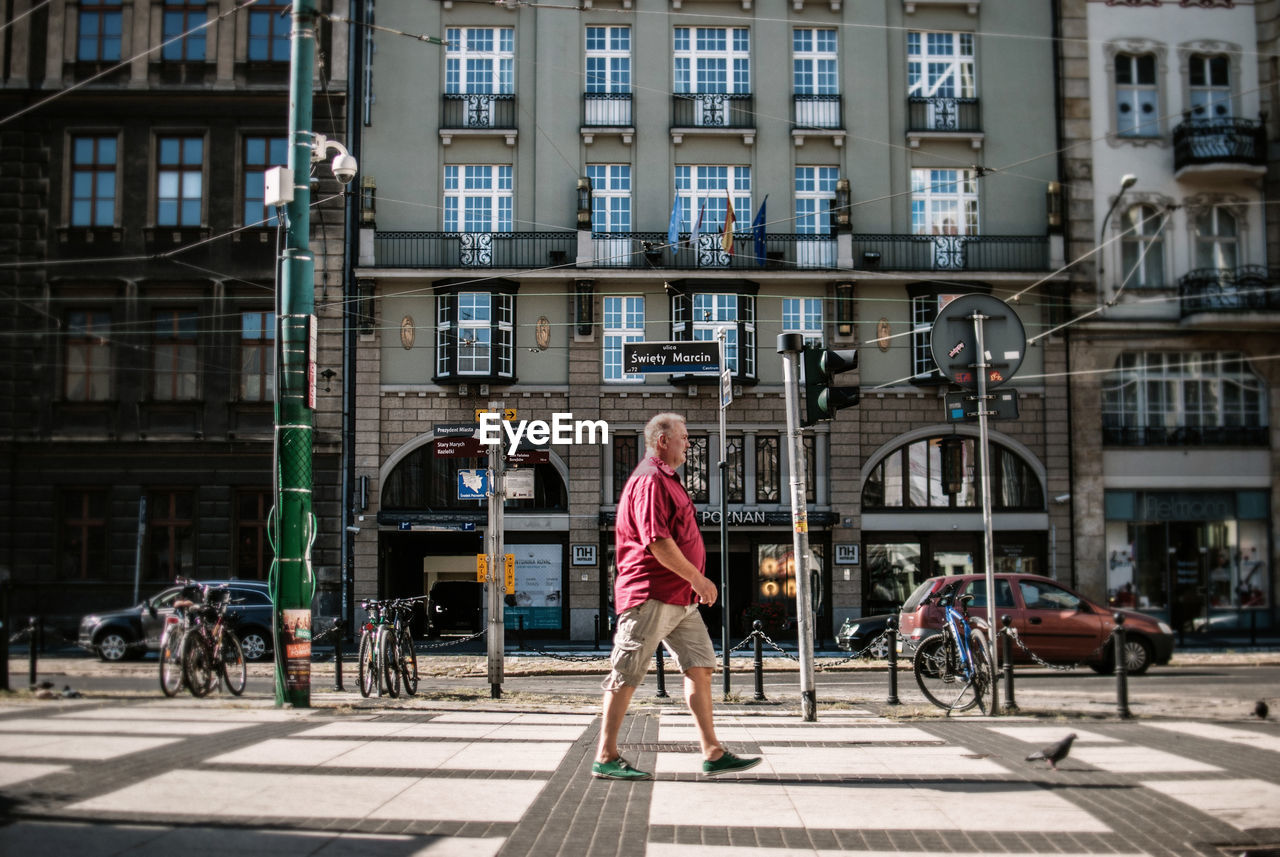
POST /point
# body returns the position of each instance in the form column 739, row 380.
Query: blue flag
column 757, row 230
column 673, row 228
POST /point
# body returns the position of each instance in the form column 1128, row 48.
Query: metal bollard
column 31, row 652
column 597, row 632
column 1122, row 674
column 1006, row 659
column 758, row 647
column 520, row 632
column 4, row 635
column 662, row 674
column 891, row 638
column 336, row 631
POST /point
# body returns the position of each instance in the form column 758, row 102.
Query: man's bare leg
column 615, row 705
column 697, row 694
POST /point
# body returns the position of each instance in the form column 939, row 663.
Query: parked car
column 866, row 635
column 131, row 632
column 1057, row 623
column 453, row 604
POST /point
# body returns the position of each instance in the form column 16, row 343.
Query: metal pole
column 294, row 417
column 891, row 634
column 137, row 550
column 1006, row 646
column 494, row 547
column 336, row 630
column 31, row 652
column 988, row 539
column 662, row 673
column 725, row 615
column 757, row 633
column 789, row 346
column 1122, row 672
column 4, row 635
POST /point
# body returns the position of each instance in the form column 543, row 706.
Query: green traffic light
column 822, row 398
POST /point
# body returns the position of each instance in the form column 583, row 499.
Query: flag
column 757, row 229
column 673, row 228
column 726, row 240
column 697, row 227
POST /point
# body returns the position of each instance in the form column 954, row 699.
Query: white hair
column 661, row 424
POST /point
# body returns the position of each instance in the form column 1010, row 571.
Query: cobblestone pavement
column 141, row 776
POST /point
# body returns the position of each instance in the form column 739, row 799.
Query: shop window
column 910, row 477
column 894, row 571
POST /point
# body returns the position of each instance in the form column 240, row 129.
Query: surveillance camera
column 344, row 168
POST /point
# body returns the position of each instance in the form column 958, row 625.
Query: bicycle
column 399, row 660
column 211, row 652
column 368, row 658
column 176, row 626
column 952, row 667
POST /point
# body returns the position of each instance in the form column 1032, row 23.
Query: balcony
column 607, row 113
column 474, row 249
column 951, row 252
column 1246, row 296
column 1185, row 436
column 1214, row 150
column 478, row 114
column 712, row 113
column 942, row 117
column 782, row 252
column 817, row 116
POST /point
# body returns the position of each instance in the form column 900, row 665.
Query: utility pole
column 294, row 523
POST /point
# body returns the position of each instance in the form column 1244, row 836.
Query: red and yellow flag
column 726, row 240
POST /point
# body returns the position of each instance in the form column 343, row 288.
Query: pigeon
column 1054, row 753
column 1261, row 709
column 68, row 693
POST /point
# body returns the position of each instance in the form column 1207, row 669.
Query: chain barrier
column 825, row 664
column 1012, row 633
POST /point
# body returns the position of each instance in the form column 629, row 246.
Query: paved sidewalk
column 220, row 776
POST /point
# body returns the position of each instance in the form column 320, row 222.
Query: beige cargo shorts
column 641, row 629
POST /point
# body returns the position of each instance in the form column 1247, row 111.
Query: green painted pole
column 293, row 581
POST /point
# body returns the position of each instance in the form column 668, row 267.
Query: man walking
column 661, row 579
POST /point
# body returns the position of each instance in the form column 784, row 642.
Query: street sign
column 508, row 414
column 456, row 440
column 726, row 388
column 473, row 484
column 672, row 358
column 953, row 340
column 482, row 568
column 963, row 406
column 509, row 573
column 529, row 456
column 518, row 484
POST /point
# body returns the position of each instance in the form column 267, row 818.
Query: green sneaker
column 728, row 764
column 618, row 769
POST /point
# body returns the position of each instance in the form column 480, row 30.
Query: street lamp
column 1127, row 181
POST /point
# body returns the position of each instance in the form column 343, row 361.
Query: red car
column 1056, row 623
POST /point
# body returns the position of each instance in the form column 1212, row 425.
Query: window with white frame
column 480, row 60
column 610, row 197
column 813, row 62
column 475, row 334
column 608, row 59
column 1137, row 96
column 815, row 192
column 944, row 202
column 712, row 59
column 1153, row 391
column 1210, row 79
column 477, row 198
column 925, row 305
column 93, row 180
column 623, row 322
column 803, row 316
column 1216, row 239
column 940, row 65
column 700, row 316
column 705, row 190
column 1142, row 247
column 179, row 181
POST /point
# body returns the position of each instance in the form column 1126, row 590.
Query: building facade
column 536, row 197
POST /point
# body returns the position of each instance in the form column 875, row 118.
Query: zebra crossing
column 89, row 777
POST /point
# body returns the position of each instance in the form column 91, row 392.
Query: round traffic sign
column 954, row 340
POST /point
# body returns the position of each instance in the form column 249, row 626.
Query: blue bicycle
column 952, row 667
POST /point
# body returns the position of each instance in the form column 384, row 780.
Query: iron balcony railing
column 651, row 250
column 951, row 252
column 478, row 110
column 1185, row 436
column 606, row 109
column 943, row 113
column 1219, row 141
column 712, row 110
column 817, row 111
column 1249, row 288
column 474, row 249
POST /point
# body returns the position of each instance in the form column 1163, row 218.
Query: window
column 477, row 198
column 1045, row 596
column 815, row 194
column 475, row 336
column 261, row 153
column 1210, row 79
column 93, row 180
column 623, row 322
column 1159, row 398
column 910, row 477
column 924, row 310
column 101, row 25
column 180, row 181
column 736, row 469
column 171, row 535
column 1216, row 241
column 88, row 356
column 82, row 535
column 611, row 197
column 712, row 59
column 696, row 469
column 940, row 65
column 480, row 60
column 700, row 316
column 608, row 59
column 269, row 28
column 813, row 62
column 1142, row 247
column 253, row 551
column 626, row 455
column 179, row 17
column 810, row 467
column 175, row 370
column 711, row 312
column 704, row 193
column 944, row 202
column 804, row 316
column 257, row 356
column 768, row 469
column 1137, row 97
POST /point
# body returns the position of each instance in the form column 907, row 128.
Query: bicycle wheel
column 408, row 663
column 171, row 661
column 197, row 666
column 368, row 661
column 235, row 671
column 982, row 676
column 387, row 662
column 940, row 674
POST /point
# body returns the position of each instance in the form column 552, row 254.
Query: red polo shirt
column 654, row 505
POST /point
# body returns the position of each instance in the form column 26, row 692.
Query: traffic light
column 821, row 398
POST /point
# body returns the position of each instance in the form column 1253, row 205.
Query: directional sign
column 473, row 484
column 954, row 342
column 672, row 358
column 963, row 406
column 482, row 567
column 509, row 573
column 508, row 414
column 726, row 388
column 456, row 440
